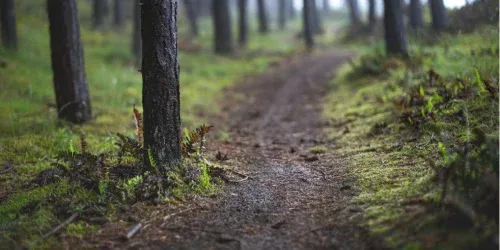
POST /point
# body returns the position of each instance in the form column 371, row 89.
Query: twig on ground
column 60, row 226
column 134, row 230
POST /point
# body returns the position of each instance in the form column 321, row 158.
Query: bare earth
column 294, row 200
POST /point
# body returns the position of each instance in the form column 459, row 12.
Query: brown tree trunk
column 243, row 22
column 70, row 84
column 160, row 76
column 222, row 25
column 416, row 16
column 8, row 24
column 308, row 23
column 395, row 33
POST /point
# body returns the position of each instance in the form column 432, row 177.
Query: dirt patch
column 297, row 198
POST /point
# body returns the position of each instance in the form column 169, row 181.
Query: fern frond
column 138, row 125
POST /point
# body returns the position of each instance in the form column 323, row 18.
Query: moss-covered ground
column 31, row 135
column 403, row 129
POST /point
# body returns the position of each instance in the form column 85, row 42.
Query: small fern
column 138, row 125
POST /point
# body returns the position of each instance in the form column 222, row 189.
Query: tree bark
column 317, row 21
column 160, row 76
column 354, row 12
column 308, row 23
column 190, row 7
column 282, row 14
column 8, row 23
column 261, row 10
column 243, row 22
column 416, row 17
column 70, row 84
column 222, row 25
column 439, row 15
column 98, row 9
column 136, row 34
column 119, row 14
column 395, row 33
column 372, row 20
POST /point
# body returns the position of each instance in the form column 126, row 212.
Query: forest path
column 295, row 199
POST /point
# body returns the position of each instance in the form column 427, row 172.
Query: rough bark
column 160, row 76
column 136, row 34
column 70, row 84
column 189, row 6
column 308, row 23
column 261, row 10
column 416, row 17
column 118, row 14
column 372, row 20
column 282, row 14
column 243, row 22
column 438, row 14
column 354, row 12
column 395, row 33
column 8, row 24
column 222, row 24
column 98, row 13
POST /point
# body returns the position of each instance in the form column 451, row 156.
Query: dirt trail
column 294, row 200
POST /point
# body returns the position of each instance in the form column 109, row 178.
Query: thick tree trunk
column 8, row 24
column 395, row 33
column 354, row 12
column 70, row 84
column 439, row 15
column 222, row 25
column 190, row 7
column 416, row 17
column 98, row 13
column 372, row 20
column 282, row 7
column 119, row 14
column 136, row 34
column 262, row 12
column 243, row 22
column 160, row 76
column 308, row 23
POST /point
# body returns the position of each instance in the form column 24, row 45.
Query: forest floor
column 296, row 197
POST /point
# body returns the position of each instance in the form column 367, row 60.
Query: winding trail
column 294, row 199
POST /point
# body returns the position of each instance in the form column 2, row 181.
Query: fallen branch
column 60, row 226
column 134, row 230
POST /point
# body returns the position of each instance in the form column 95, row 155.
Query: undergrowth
column 421, row 135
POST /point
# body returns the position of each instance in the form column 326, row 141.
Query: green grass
column 389, row 159
column 31, row 135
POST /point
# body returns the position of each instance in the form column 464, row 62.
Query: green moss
column 318, row 150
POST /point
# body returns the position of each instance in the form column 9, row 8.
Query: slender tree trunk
column 282, row 13
column 292, row 11
column 243, row 22
column 372, row 20
column 8, row 24
column 354, row 12
column 119, row 14
column 416, row 17
column 317, row 21
column 326, row 7
column 98, row 9
column 70, row 84
column 222, row 25
column 160, row 76
column 190, row 7
column 136, row 34
column 308, row 23
column 439, row 15
column 395, row 33
column 261, row 9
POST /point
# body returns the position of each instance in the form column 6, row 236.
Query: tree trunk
column 395, row 33
column 308, row 23
column 222, row 25
column 98, row 9
column 439, row 15
column 70, row 84
column 354, row 12
column 282, row 14
column 160, row 77
column 416, row 17
column 291, row 10
column 317, row 21
column 243, row 22
column 261, row 9
column 8, row 22
column 136, row 34
column 326, row 7
column 119, row 14
column 372, row 20
column 190, row 7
